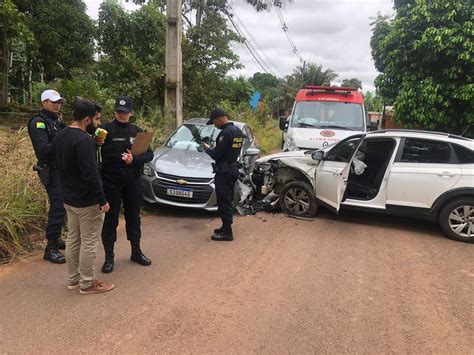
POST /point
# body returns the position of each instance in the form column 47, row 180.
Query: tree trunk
column 4, row 68
column 30, row 75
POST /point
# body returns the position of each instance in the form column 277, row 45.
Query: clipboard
column 141, row 143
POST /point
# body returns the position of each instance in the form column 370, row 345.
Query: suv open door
column 333, row 171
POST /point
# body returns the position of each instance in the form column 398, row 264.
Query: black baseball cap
column 123, row 104
column 216, row 113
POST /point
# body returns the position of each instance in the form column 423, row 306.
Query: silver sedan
column 180, row 173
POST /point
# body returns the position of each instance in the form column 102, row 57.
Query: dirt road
column 350, row 284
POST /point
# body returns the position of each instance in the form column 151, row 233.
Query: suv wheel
column 297, row 199
column 457, row 219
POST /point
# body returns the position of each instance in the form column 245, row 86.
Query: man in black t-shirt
column 84, row 197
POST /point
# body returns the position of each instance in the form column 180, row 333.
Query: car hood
column 182, row 162
column 297, row 154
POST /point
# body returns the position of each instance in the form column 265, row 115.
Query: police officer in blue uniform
column 42, row 128
column 226, row 169
column 121, row 176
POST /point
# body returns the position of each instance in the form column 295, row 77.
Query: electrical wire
column 288, row 36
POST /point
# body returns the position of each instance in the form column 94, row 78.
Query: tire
column 457, row 219
column 297, row 199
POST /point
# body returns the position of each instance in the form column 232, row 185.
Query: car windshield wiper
column 303, row 124
column 336, row 127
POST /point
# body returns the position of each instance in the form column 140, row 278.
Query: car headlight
column 148, row 170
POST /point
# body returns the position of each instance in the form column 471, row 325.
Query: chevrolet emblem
column 181, row 182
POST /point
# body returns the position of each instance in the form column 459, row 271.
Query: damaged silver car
column 180, row 173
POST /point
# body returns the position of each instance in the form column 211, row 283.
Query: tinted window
column 426, row 151
column 465, row 155
column 343, row 151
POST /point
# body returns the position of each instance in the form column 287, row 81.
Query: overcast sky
column 334, row 33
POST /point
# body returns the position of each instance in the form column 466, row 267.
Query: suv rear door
column 423, row 170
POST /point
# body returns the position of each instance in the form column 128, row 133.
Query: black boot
column 218, row 230
column 108, row 266
column 138, row 256
column 224, row 235
column 53, row 255
column 60, row 244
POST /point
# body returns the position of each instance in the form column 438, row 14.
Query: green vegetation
column 425, row 55
column 23, row 199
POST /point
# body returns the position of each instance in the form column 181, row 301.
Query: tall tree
column 312, row 74
column 64, row 36
column 353, row 83
column 425, row 55
column 132, row 51
column 12, row 25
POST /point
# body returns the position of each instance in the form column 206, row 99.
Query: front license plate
column 180, row 192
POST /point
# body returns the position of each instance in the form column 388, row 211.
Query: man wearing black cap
column 121, row 175
column 225, row 153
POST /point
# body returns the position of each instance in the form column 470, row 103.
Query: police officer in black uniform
column 121, row 176
column 226, row 169
column 42, row 128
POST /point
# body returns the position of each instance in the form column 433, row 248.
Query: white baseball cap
column 51, row 95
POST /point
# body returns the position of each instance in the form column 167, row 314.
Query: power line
column 253, row 51
column 288, row 36
column 246, row 43
column 252, row 40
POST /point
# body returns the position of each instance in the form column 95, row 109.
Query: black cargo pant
column 129, row 190
column 56, row 213
column 225, row 183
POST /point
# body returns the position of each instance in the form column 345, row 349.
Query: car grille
column 201, row 193
column 188, row 179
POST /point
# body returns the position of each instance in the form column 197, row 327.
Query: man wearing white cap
column 42, row 128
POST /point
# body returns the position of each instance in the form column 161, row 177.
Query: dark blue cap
column 123, row 104
column 216, row 113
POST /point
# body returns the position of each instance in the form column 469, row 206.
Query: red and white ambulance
column 323, row 115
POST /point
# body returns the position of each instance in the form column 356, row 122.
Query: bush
column 23, row 200
column 264, row 127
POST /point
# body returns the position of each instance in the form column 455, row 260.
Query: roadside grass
column 265, row 128
column 23, row 200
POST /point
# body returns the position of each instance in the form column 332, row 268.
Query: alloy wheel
column 461, row 221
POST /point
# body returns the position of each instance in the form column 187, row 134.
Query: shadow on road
column 385, row 221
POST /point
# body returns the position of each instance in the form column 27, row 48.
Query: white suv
column 420, row 174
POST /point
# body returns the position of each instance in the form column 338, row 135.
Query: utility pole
column 174, row 62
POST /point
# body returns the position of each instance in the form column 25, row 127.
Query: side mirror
column 372, row 126
column 252, row 152
column 317, row 155
column 283, row 123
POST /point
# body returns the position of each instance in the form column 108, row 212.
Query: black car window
column 465, row 155
column 426, row 151
column 343, row 151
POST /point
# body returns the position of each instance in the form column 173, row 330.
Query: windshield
column 190, row 136
column 331, row 115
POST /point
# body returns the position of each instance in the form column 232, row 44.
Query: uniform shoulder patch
column 40, row 125
column 221, row 138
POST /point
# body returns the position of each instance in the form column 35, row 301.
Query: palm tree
column 313, row 75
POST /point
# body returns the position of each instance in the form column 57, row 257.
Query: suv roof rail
column 402, row 130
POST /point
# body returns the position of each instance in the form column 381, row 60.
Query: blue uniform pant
column 130, row 191
column 56, row 213
column 225, row 194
